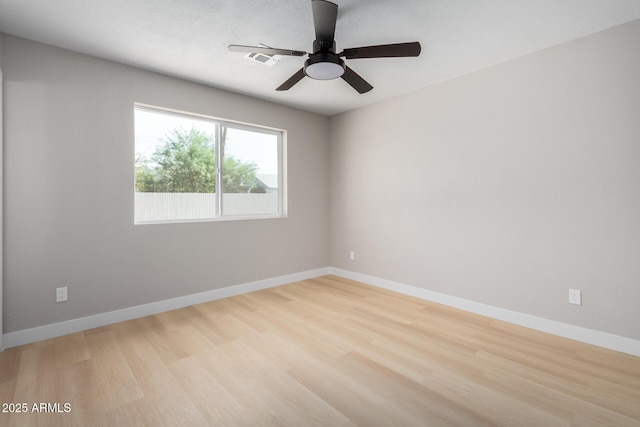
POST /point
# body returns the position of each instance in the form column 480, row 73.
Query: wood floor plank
column 217, row 405
column 414, row 397
column 327, row 351
column 500, row 404
column 353, row 399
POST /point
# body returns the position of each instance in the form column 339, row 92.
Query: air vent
column 262, row 58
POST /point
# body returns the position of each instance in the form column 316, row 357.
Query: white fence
column 192, row 206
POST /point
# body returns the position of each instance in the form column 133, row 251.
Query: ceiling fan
column 324, row 63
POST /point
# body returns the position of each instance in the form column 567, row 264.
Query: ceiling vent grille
column 269, row 60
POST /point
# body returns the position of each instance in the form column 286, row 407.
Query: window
column 196, row 168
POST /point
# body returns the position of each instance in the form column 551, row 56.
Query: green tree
column 237, row 177
column 185, row 162
column 145, row 175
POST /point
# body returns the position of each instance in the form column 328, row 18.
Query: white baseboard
column 589, row 336
column 577, row 333
column 26, row 336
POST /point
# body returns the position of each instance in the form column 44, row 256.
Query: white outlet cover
column 575, row 296
column 61, row 294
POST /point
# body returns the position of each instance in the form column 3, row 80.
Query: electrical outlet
column 61, row 294
column 352, row 255
column 575, row 296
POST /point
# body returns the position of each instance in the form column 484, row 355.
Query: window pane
column 195, row 168
column 250, row 177
column 175, row 167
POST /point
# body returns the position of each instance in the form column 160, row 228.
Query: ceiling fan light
column 324, row 67
column 324, row 71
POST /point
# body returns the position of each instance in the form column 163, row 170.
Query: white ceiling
column 189, row 39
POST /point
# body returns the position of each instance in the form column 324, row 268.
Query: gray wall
column 506, row 186
column 69, row 192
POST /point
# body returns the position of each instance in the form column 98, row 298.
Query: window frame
column 281, row 136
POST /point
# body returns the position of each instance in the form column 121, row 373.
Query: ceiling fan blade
column 325, row 15
column 356, row 82
column 383, row 51
column 292, row 80
column 265, row 50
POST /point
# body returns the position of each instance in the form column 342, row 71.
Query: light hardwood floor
column 322, row 352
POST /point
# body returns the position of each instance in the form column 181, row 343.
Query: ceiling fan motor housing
column 324, row 46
